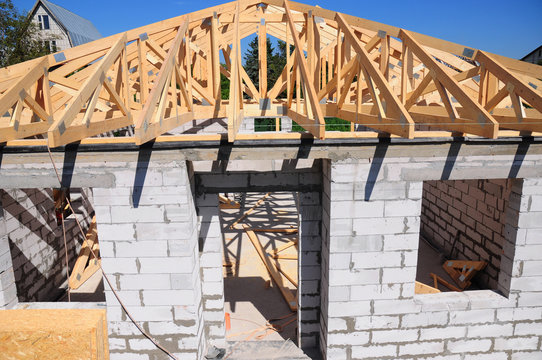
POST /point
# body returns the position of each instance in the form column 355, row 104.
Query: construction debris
column 467, row 271
column 86, row 264
column 226, row 203
column 421, row 288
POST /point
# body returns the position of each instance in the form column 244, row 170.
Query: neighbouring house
column 61, row 28
column 534, row 56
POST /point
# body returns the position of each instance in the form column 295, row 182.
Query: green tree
column 19, row 38
column 224, row 85
column 276, row 60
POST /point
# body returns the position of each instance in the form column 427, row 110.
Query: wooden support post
column 480, row 122
column 288, row 55
column 403, row 125
column 262, row 54
column 215, row 63
column 385, row 56
column 316, row 54
column 338, row 64
column 309, row 26
column 143, row 68
column 315, row 125
column 233, row 110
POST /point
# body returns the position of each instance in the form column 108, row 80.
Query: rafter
column 315, row 125
column 168, row 73
column 404, row 125
column 152, row 122
column 477, row 120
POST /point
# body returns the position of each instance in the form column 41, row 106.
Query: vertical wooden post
column 384, row 56
column 288, row 55
column 309, row 28
column 262, row 54
column 126, row 78
column 208, row 64
column 404, row 65
column 143, row 68
column 297, row 89
column 316, row 55
column 338, row 63
column 48, row 104
column 215, row 57
column 188, row 64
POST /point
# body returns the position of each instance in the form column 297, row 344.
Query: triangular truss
column 161, row 76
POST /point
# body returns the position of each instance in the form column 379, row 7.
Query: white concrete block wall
column 149, row 248
column 35, row 241
column 309, row 268
column 326, row 352
column 212, row 279
column 8, row 290
column 372, row 312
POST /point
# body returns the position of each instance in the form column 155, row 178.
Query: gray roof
column 79, row 30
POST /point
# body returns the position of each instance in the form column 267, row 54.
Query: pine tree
column 252, row 65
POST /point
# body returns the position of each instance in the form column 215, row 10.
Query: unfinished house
column 415, row 234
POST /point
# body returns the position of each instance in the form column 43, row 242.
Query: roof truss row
column 161, row 76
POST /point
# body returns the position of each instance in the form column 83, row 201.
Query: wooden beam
column 233, row 110
column 481, row 122
column 404, row 125
column 518, row 87
column 444, row 45
column 262, row 54
column 272, row 269
column 318, row 127
column 215, row 63
column 143, row 129
column 59, row 127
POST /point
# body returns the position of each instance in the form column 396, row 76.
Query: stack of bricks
column 148, row 243
column 36, row 241
column 476, row 209
column 369, row 308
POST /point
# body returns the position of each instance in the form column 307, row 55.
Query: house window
column 43, row 21
column 52, row 46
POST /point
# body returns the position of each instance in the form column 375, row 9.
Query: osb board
column 53, row 334
column 421, row 288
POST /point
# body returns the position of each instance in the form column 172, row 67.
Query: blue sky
column 507, row 27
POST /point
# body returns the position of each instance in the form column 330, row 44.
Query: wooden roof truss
column 158, row 77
